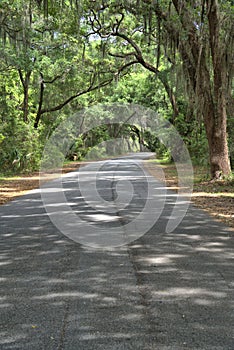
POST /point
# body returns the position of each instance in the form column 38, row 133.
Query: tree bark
column 25, row 83
column 217, row 141
column 38, row 116
column 219, row 157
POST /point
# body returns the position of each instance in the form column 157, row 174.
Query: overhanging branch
column 91, row 88
column 71, row 98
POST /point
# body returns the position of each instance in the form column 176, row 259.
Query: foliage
column 197, row 39
column 19, row 146
column 164, row 55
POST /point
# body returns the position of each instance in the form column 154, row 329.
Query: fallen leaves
column 217, row 199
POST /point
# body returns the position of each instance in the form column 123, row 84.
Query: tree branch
column 129, row 40
column 21, row 77
column 53, row 80
column 131, row 63
column 71, row 98
column 119, row 55
column 140, row 59
column 138, row 53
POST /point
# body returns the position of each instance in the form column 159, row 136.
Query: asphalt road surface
column 156, row 290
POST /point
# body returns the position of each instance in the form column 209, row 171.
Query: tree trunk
column 219, row 158
column 25, row 105
column 25, row 82
column 209, row 84
column 217, row 140
column 38, row 116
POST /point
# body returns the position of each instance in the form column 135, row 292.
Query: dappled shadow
column 216, row 197
column 219, row 205
column 188, row 277
column 163, row 291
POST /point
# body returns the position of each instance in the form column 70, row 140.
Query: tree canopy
column 174, row 56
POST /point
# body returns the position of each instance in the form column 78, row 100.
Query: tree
column 122, row 36
column 199, row 34
column 48, row 56
column 47, row 62
column 204, row 33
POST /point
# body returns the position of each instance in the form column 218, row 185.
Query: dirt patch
column 217, row 198
column 12, row 187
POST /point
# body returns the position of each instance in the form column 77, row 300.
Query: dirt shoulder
column 12, row 187
column 217, row 198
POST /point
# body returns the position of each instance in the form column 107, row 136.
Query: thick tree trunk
column 209, row 84
column 218, row 146
column 217, row 138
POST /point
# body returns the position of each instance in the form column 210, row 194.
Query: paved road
column 162, row 291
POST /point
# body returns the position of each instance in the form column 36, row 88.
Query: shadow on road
column 162, row 291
